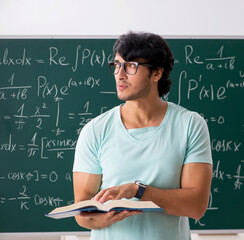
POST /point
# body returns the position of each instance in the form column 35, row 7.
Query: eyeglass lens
column 129, row 67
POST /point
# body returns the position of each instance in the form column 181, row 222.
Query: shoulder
column 183, row 114
column 186, row 121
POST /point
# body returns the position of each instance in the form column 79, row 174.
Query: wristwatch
column 141, row 189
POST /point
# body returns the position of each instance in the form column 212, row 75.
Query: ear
column 157, row 74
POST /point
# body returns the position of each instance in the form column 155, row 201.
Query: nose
column 121, row 74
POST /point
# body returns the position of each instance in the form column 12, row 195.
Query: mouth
column 121, row 87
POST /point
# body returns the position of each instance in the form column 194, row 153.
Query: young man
column 163, row 145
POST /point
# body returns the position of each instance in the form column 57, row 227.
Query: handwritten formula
column 49, row 90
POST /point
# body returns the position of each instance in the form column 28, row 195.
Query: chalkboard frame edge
column 213, row 231
column 87, row 233
column 116, row 36
column 218, row 231
column 80, row 233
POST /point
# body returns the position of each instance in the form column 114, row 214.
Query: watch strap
column 141, row 189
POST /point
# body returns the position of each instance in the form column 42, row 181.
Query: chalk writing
column 49, row 90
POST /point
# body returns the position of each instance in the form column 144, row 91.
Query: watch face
column 141, row 184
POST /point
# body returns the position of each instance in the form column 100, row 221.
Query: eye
column 132, row 65
column 116, row 65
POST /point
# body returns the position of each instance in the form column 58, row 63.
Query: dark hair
column 150, row 47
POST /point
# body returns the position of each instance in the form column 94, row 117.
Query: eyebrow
column 117, row 61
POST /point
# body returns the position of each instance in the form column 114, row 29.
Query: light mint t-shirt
column 154, row 155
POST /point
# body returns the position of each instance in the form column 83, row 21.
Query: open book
column 91, row 205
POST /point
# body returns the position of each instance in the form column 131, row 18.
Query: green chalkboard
column 50, row 88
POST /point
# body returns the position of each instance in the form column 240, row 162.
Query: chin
column 122, row 98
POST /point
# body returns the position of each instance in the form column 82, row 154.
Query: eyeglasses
column 130, row 68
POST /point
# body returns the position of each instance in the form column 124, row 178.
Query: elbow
column 79, row 221
column 199, row 211
column 86, row 222
column 82, row 223
column 199, row 206
column 198, row 215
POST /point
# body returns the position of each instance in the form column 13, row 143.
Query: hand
column 127, row 191
column 102, row 220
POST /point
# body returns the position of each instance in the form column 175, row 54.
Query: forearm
column 86, row 222
column 180, row 202
column 96, row 220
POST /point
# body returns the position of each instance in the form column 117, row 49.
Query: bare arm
column 190, row 200
column 86, row 185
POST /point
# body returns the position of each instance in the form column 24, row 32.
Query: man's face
column 132, row 87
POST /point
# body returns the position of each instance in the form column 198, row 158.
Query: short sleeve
column 86, row 152
column 198, row 143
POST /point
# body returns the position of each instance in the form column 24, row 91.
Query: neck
column 139, row 114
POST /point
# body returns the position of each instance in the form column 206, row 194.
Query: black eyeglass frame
column 123, row 65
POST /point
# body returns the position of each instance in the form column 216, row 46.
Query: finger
column 98, row 195
column 111, row 213
column 90, row 214
column 121, row 215
column 108, row 195
column 104, row 194
column 135, row 212
column 98, row 214
column 124, row 214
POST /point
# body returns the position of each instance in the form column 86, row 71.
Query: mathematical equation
column 47, row 96
column 24, row 197
column 222, row 175
column 53, row 57
column 25, row 200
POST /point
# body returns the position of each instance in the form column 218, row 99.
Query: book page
column 129, row 204
column 82, row 204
